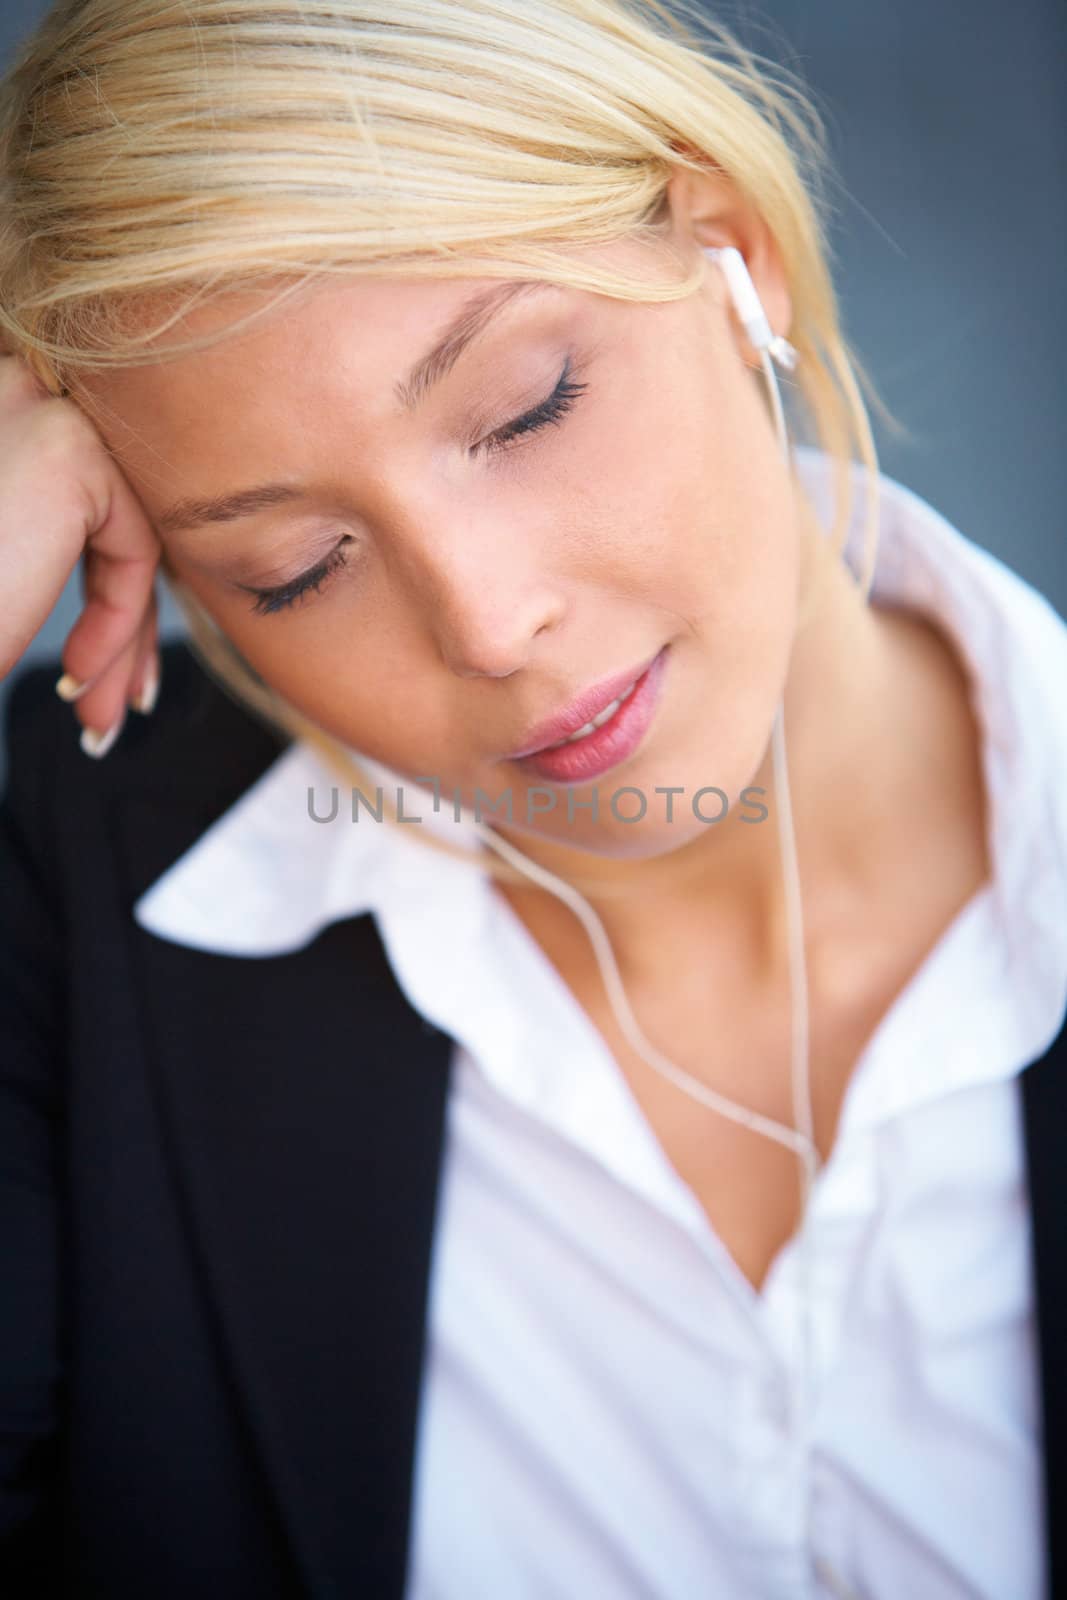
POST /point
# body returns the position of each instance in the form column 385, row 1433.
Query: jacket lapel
column 306, row 1101
column 305, row 1104
column 1044, row 1098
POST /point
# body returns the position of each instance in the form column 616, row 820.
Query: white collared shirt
column 607, row 1402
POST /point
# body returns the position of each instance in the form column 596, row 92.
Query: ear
column 706, row 209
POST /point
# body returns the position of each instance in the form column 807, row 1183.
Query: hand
column 62, row 497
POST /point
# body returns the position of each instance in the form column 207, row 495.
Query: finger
column 132, row 680
column 119, row 567
column 101, row 708
column 144, row 680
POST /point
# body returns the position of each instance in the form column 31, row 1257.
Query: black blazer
column 218, row 1180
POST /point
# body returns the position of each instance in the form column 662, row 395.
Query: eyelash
column 286, row 594
column 549, row 413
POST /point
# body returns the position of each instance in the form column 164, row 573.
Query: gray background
column 948, row 130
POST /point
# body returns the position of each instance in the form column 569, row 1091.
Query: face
column 592, row 484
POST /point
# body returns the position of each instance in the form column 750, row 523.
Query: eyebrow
column 473, row 317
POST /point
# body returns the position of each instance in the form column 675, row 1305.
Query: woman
column 456, row 1146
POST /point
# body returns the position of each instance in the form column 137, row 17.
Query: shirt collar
column 266, row 877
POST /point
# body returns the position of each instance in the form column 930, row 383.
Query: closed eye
column 311, row 581
column 550, row 411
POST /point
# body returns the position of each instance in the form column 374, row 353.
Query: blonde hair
column 162, row 154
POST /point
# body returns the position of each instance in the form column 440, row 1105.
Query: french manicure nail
column 68, row 688
column 146, row 700
column 98, row 744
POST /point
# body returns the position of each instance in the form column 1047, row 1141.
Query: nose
column 486, row 599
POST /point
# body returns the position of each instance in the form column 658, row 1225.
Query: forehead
column 246, row 330
column 375, row 321
column 366, row 344
column 296, row 377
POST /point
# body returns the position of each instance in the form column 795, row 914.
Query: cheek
column 694, row 521
column 286, row 650
column 357, row 674
column 713, row 547
column 678, row 492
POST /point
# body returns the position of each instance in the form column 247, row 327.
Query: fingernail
column 146, row 700
column 68, row 688
column 98, row 744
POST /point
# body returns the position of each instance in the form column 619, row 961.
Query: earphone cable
column 800, row 1139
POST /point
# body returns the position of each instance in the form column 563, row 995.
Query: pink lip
column 577, row 713
column 614, row 741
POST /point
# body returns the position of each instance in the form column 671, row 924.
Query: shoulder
column 199, row 748
column 195, row 716
column 1021, row 642
column 1030, row 656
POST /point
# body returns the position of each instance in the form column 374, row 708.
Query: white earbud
column 749, row 307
